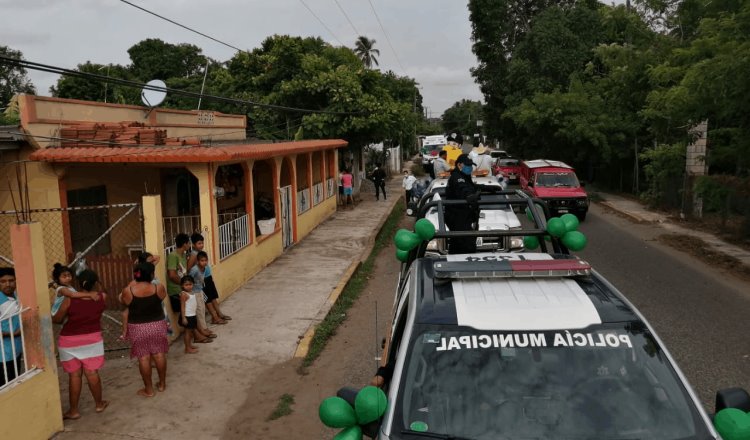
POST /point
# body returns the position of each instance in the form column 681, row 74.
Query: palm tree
column 364, row 50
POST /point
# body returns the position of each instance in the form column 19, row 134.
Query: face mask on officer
column 466, row 169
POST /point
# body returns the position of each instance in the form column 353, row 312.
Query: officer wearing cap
column 462, row 217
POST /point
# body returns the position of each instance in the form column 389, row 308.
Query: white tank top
column 190, row 305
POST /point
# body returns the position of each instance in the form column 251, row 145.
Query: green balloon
column 402, row 256
column 530, row 242
column 350, row 433
column 406, row 240
column 425, row 229
column 556, row 227
column 336, row 412
column 571, row 222
column 370, row 404
column 732, row 424
column 574, row 240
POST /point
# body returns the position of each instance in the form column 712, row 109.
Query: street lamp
column 106, row 83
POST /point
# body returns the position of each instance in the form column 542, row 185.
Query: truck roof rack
column 512, row 198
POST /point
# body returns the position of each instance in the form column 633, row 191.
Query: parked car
column 508, row 167
column 556, row 183
column 499, row 154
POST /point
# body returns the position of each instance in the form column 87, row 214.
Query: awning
column 182, row 154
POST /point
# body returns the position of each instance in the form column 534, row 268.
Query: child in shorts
column 188, row 320
column 209, row 288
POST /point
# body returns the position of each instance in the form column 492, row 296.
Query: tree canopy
column 601, row 86
column 365, row 49
column 284, row 71
column 13, row 80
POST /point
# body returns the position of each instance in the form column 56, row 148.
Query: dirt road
column 348, row 359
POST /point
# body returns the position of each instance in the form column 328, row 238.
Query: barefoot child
column 209, row 288
column 63, row 279
column 188, row 320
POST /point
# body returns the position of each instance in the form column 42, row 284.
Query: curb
column 632, row 217
column 303, row 346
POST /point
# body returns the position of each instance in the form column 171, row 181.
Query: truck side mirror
column 583, row 184
column 732, row 398
column 530, row 184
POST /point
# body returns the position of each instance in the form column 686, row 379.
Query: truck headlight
column 433, row 246
column 582, row 202
column 516, row 243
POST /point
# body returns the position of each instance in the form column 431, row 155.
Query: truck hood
column 559, row 192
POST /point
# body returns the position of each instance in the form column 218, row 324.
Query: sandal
column 226, row 317
column 218, row 322
column 213, row 336
column 207, row 340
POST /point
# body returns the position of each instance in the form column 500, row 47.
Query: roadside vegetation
column 284, row 407
column 616, row 91
column 701, row 250
column 337, row 315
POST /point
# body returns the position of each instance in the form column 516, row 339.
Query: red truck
column 556, row 183
column 508, row 167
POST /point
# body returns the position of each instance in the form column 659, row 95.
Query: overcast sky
column 431, row 38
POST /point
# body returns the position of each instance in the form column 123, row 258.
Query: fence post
column 153, row 241
column 27, row 242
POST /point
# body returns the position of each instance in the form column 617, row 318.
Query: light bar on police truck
column 512, row 269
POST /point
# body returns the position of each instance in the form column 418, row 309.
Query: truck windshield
column 604, row 382
column 428, row 149
column 557, row 179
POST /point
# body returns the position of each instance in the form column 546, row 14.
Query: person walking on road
column 462, row 217
column 408, row 184
column 347, row 180
column 80, row 344
column 378, row 178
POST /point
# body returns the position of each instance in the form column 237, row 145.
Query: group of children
column 198, row 289
column 198, row 295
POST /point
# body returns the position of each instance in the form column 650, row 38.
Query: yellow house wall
column 44, row 192
column 309, row 220
column 43, row 116
column 232, row 272
column 31, row 410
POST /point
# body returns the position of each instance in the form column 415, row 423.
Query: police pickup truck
column 492, row 216
column 533, row 345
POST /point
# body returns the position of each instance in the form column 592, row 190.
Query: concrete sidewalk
column 271, row 312
column 640, row 214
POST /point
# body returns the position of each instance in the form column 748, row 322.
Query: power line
column 101, row 78
column 183, row 26
column 386, row 36
column 321, row 22
column 347, row 17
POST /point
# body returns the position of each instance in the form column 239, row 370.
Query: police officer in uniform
column 462, row 217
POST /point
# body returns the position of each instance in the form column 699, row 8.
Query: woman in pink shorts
column 81, row 344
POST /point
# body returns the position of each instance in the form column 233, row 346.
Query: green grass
column 327, row 328
column 284, row 408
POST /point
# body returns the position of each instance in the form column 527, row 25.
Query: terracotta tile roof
column 181, row 154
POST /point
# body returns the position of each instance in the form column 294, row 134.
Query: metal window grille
column 13, row 370
column 318, row 194
column 233, row 236
column 331, row 188
column 303, row 201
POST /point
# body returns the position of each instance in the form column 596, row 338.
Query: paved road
column 700, row 313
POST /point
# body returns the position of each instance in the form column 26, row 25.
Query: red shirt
column 347, row 179
column 84, row 316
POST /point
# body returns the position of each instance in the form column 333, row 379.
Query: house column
column 32, row 408
column 205, row 175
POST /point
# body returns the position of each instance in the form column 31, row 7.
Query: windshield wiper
column 433, row 435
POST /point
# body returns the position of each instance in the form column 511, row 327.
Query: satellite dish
column 152, row 98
